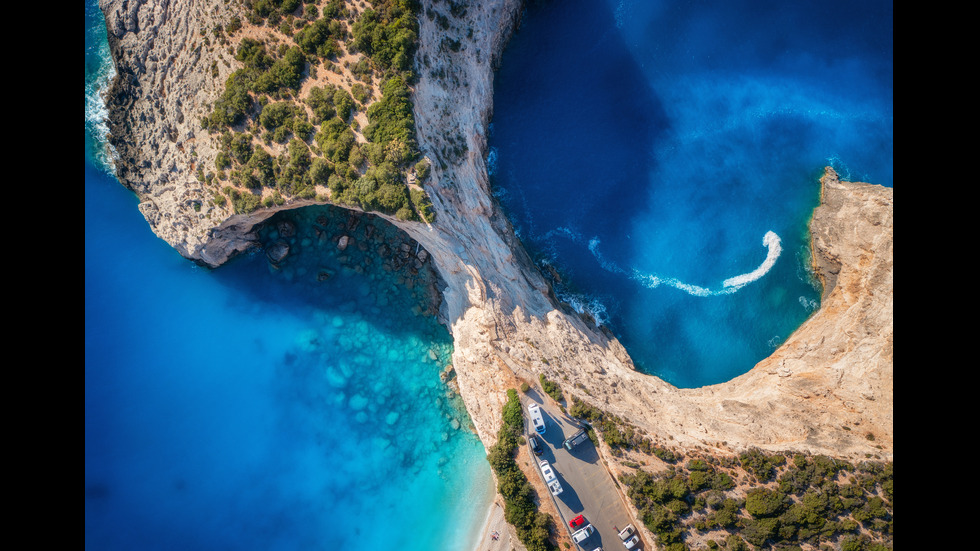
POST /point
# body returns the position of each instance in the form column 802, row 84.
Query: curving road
column 588, row 488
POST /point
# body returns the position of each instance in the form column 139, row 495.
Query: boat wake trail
column 651, row 280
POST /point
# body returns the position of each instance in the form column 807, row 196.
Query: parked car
column 631, row 543
column 535, row 443
column 576, row 522
column 583, row 534
column 625, row 533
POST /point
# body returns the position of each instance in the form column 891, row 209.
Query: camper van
column 576, row 439
column 550, row 479
column 534, row 412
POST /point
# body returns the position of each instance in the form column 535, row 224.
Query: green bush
column 758, row 531
column 761, row 465
column 763, row 502
column 391, row 119
column 422, row 170
column 551, row 388
column 423, row 204
column 388, row 33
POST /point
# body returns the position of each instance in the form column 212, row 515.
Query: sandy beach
column 495, row 523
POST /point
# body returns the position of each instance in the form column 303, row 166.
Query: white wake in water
column 770, row 241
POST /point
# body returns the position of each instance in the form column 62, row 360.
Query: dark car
column 576, row 522
column 535, row 444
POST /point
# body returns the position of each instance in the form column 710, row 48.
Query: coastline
column 494, row 522
column 502, row 321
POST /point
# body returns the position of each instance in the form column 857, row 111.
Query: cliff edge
column 825, row 390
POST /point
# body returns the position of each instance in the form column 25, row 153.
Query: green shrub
column 551, row 388
column 388, row 33
column 758, row 531
column 423, row 204
column 762, row 502
column 390, row 118
column 422, row 170
column 761, row 465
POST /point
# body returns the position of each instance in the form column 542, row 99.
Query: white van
column 534, row 412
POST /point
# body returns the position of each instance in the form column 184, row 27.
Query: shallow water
column 665, row 157
column 255, row 407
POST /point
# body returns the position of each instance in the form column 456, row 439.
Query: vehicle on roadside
column 550, row 479
column 534, row 412
column 576, row 522
column 555, row 487
column 576, row 439
column 625, row 533
column 547, row 471
column 583, row 534
column 535, row 444
column 631, row 543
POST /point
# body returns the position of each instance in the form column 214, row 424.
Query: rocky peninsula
column 827, row 390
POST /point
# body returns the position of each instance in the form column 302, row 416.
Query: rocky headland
column 828, row 389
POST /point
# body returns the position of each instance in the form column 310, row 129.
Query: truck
column 576, row 439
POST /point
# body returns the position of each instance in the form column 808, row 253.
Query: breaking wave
column 101, row 70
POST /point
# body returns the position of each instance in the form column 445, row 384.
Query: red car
column 577, row 521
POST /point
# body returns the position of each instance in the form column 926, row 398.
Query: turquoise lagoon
column 256, row 408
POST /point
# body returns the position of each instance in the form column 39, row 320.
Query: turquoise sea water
column 254, row 408
column 665, row 156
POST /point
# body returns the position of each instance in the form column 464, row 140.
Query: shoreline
column 494, row 522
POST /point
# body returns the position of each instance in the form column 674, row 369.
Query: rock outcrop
column 834, row 372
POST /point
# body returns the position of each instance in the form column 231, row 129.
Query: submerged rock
column 277, row 251
column 286, row 228
column 343, row 242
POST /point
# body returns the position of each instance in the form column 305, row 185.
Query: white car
column 631, row 543
column 583, row 534
column 625, row 533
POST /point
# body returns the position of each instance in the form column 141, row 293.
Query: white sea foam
column 808, row 304
column 585, row 304
column 606, row 265
column 652, row 281
column 96, row 111
column 770, row 240
column 492, row 161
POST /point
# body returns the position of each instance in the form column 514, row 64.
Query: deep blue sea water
column 252, row 408
column 665, row 156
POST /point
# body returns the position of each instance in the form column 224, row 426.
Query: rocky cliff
column 834, row 372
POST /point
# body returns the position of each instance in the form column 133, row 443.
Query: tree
column 763, row 502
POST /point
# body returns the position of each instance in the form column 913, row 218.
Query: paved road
column 588, row 488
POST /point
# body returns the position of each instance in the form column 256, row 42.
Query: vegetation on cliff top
column 755, row 500
column 281, row 137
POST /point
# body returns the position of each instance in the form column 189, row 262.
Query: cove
column 253, row 406
column 661, row 162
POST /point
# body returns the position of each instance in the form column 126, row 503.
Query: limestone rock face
column 834, row 372
column 164, row 54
